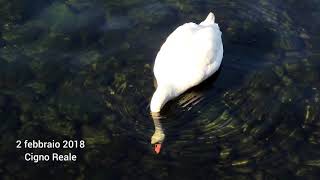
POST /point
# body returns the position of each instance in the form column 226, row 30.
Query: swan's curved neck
column 159, row 98
column 158, row 136
column 157, row 124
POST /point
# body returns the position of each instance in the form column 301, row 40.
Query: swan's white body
column 191, row 54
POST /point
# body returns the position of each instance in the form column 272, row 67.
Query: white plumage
column 191, row 54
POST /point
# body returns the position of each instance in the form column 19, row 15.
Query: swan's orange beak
column 157, row 148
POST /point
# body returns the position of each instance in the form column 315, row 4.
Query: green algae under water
column 82, row 70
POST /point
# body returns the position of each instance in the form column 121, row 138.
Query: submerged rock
column 117, row 23
column 94, row 137
column 156, row 13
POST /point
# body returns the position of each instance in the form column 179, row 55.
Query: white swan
column 191, row 54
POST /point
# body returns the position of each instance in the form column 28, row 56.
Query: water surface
column 83, row 70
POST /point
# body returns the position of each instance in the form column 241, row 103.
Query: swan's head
column 158, row 135
column 160, row 97
column 157, row 140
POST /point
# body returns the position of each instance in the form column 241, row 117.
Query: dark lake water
column 82, row 70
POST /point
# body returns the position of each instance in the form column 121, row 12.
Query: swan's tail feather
column 209, row 20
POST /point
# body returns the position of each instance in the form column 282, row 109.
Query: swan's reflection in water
column 190, row 99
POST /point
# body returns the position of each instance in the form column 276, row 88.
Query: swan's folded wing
column 174, row 52
column 207, row 42
column 188, row 54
